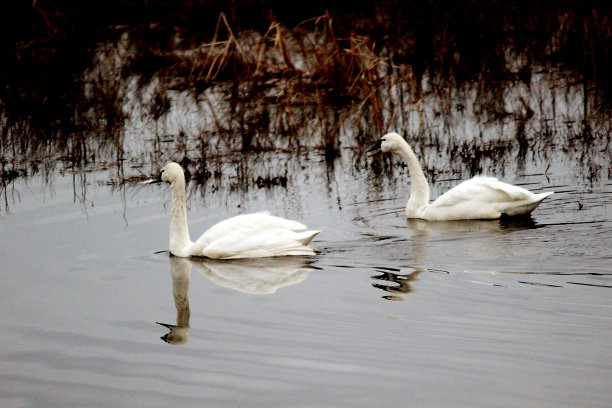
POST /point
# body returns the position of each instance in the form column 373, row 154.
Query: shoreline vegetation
column 95, row 86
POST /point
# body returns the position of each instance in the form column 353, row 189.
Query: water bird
column 480, row 197
column 255, row 235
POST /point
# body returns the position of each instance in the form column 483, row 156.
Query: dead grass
column 317, row 84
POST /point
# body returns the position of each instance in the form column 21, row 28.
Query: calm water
column 390, row 313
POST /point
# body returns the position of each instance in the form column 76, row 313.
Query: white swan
column 244, row 236
column 478, row 198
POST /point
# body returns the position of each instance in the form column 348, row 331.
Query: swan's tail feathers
column 526, row 206
column 541, row 196
column 292, row 243
column 538, row 198
column 305, row 237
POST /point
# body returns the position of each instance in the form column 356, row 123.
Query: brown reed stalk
column 219, row 51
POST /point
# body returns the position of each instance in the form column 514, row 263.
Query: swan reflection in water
column 397, row 283
column 261, row 276
column 502, row 225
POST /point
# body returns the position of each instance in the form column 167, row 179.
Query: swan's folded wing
column 253, row 223
column 483, row 189
column 262, row 244
column 254, row 235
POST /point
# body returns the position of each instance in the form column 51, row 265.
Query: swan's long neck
column 419, row 190
column 179, row 233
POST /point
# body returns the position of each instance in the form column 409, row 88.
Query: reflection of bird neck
column 179, row 233
column 181, row 270
column 419, row 188
column 401, row 283
column 181, row 301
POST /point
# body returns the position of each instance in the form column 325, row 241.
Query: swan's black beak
column 158, row 179
column 375, row 149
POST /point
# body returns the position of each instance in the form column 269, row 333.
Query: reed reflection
column 251, row 85
column 262, row 276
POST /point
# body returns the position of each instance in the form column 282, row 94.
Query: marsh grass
column 472, row 87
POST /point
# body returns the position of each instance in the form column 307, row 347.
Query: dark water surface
column 502, row 313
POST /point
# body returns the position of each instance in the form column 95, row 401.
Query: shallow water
column 482, row 313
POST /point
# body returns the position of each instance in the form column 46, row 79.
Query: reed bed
column 473, row 83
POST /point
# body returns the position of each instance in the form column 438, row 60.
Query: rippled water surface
column 476, row 313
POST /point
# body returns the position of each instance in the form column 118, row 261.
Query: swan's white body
column 244, row 236
column 478, row 198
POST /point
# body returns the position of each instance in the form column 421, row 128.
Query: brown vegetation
column 331, row 81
